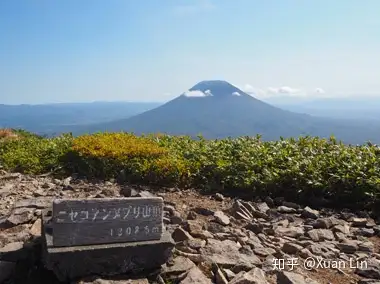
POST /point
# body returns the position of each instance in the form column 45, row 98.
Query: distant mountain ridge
column 226, row 111
column 66, row 117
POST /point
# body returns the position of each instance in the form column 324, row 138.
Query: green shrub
column 33, row 154
column 302, row 169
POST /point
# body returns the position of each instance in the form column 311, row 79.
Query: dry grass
column 8, row 134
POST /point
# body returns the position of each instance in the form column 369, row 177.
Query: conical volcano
column 218, row 109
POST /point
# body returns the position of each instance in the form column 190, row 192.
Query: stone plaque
column 106, row 220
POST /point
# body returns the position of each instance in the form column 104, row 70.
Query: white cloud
column 319, row 91
column 283, row 90
column 250, row 90
column 197, row 94
column 272, row 90
column 236, row 94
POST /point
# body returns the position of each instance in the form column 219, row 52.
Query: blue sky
column 153, row 50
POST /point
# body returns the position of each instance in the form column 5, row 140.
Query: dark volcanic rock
column 73, row 262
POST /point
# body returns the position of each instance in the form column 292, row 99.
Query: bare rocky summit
column 218, row 239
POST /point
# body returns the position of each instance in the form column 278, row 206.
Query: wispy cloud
column 250, row 90
column 193, row 8
column 319, row 91
column 283, row 90
column 197, row 94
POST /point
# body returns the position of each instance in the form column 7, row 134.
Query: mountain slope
column 219, row 109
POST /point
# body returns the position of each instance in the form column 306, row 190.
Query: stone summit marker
column 105, row 236
column 101, row 221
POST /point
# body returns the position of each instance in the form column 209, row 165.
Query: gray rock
column 178, row 266
column 220, row 278
column 366, row 246
column 195, row 275
column 229, row 274
column 195, row 229
column 348, row 246
column 176, row 218
column 67, row 181
column 145, row 193
column 6, row 190
column 340, row 237
column 376, row 229
column 359, row 222
column 226, row 254
column 293, row 232
column 192, row 215
column 318, row 235
column 246, row 249
column 195, row 243
column 310, row 213
column 128, row 192
column 370, row 223
column 254, row 276
column 372, row 272
column 219, row 197
column 286, row 277
column 170, row 209
column 36, row 203
column 344, row 229
column 262, row 207
column 322, row 249
column 203, row 211
column 245, row 210
column 255, row 227
column 282, row 223
column 221, row 218
column 262, row 251
column 21, row 216
column 327, row 223
column 291, row 248
column 215, row 228
column 291, row 205
column 365, row 232
column 3, row 222
column 35, row 230
column 284, row 209
column 305, row 253
column 368, row 281
column 180, row 235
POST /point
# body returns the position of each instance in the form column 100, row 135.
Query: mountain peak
column 216, row 88
column 210, row 84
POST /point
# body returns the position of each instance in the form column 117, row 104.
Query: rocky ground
column 218, row 240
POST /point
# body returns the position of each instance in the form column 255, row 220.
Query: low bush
column 136, row 159
column 303, row 169
column 32, row 154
